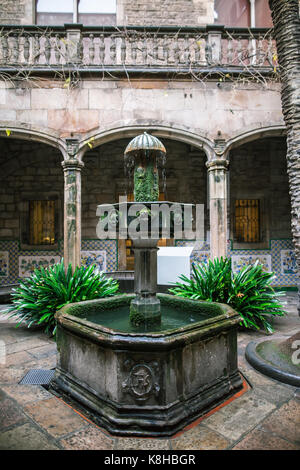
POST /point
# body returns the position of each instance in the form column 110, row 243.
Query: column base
column 145, row 311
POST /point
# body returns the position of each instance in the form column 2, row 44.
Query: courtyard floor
column 266, row 416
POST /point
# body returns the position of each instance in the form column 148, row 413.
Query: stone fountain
column 146, row 364
column 142, row 157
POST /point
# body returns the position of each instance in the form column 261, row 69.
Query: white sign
column 172, row 262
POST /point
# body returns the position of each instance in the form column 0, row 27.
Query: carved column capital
column 217, row 164
column 72, row 164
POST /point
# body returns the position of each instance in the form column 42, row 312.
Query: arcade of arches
column 35, row 219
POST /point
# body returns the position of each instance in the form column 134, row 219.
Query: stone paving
column 266, row 416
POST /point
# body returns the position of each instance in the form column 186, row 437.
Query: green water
column 171, row 318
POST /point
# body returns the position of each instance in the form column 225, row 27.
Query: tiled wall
column 16, row 263
column 279, row 258
column 110, row 247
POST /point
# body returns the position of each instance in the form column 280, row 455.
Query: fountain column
column 217, row 180
column 142, row 157
column 72, row 207
column 145, row 308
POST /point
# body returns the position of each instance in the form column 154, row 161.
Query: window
column 235, row 13
column 247, row 220
column 87, row 12
column 42, row 226
column 54, row 12
column 97, row 6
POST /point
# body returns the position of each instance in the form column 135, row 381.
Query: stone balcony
column 187, row 50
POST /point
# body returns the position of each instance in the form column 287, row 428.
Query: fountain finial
column 142, row 156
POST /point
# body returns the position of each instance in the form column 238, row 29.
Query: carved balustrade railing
column 136, row 49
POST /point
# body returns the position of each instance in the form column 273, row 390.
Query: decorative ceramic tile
column 288, row 262
column 199, row 257
column 240, row 261
column 27, row 264
column 276, row 246
column 198, row 246
column 284, row 277
column 12, row 273
column 4, row 264
column 94, row 257
column 109, row 246
column 273, row 254
column 184, row 243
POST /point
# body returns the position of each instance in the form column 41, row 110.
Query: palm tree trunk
column 285, row 15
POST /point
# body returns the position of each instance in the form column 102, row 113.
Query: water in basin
column 172, row 318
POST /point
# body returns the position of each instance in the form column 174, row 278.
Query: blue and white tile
column 27, row 264
column 4, row 264
column 97, row 258
column 288, row 262
column 240, row 261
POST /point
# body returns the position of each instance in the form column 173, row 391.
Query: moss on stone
column 197, row 306
column 146, row 183
column 90, row 307
column 138, row 318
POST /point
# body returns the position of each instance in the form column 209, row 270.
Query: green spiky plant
column 39, row 296
column 249, row 291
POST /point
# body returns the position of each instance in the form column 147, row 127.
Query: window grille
column 42, row 222
column 247, row 220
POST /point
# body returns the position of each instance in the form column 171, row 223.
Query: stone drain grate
column 38, row 377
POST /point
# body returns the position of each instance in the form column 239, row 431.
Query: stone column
column 72, row 205
column 217, row 172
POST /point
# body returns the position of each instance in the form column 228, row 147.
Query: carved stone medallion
column 142, row 379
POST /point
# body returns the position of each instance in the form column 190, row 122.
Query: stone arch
column 103, row 136
column 32, row 134
column 255, row 133
column 30, row 170
column 258, row 172
column 38, row 136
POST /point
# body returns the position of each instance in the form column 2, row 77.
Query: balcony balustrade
column 136, row 49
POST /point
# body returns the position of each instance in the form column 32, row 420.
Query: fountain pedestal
column 145, row 308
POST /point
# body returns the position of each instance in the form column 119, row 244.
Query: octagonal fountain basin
column 147, row 382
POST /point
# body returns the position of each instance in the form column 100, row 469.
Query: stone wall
column 207, row 109
column 129, row 12
column 17, row 12
column 165, row 12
